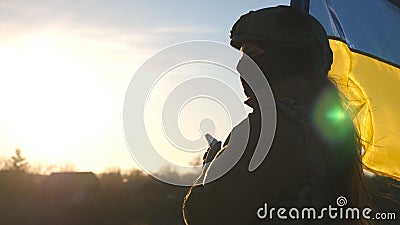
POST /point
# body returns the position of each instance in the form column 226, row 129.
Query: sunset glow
column 65, row 68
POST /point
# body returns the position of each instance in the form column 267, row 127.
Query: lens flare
column 330, row 118
column 336, row 115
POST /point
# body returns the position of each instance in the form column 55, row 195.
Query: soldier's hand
column 211, row 152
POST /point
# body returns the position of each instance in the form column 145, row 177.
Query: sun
column 53, row 103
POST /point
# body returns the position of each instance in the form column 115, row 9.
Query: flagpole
column 303, row 5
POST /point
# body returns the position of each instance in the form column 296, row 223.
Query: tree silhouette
column 18, row 162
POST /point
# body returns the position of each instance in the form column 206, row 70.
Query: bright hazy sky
column 65, row 67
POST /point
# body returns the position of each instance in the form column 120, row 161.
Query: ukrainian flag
column 365, row 40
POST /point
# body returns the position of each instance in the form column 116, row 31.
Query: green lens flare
column 336, row 115
column 329, row 117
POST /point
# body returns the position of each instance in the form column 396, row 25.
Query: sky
column 65, row 67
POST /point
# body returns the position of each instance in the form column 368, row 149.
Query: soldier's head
column 283, row 40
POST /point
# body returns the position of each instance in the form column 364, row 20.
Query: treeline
column 85, row 198
column 74, row 198
column 115, row 198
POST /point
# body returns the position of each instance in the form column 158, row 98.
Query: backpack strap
column 293, row 110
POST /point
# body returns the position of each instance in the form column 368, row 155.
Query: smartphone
column 211, row 140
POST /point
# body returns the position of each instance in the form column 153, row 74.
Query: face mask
column 247, row 67
column 273, row 71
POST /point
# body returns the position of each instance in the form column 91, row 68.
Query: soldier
column 315, row 155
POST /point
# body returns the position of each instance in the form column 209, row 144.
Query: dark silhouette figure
column 315, row 155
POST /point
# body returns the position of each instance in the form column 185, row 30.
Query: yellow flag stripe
column 372, row 88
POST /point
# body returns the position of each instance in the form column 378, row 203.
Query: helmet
column 284, row 26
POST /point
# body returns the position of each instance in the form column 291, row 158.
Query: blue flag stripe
column 369, row 26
